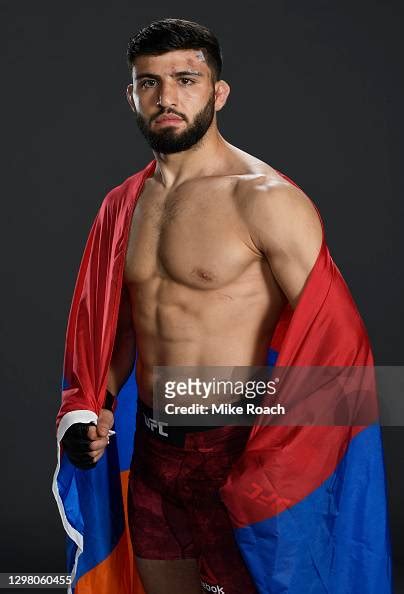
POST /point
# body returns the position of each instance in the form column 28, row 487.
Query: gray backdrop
column 317, row 92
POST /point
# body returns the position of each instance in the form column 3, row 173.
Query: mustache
column 168, row 112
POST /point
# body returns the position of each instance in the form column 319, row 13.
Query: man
column 219, row 243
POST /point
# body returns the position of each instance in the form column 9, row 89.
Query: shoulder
column 276, row 210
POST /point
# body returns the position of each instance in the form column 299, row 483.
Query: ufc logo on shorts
column 152, row 424
column 216, row 588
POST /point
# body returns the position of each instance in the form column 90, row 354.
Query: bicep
column 291, row 267
column 289, row 233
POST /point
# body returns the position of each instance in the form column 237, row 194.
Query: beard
column 169, row 140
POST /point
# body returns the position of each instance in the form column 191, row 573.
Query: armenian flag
column 307, row 502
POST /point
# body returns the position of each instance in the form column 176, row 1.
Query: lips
column 168, row 119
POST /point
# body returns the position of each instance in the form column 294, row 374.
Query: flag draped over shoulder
column 307, row 503
column 92, row 503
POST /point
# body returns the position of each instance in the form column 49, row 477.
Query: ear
column 222, row 90
column 129, row 97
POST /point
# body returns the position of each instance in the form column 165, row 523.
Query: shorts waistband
column 175, row 435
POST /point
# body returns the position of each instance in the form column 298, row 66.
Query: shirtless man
column 219, row 242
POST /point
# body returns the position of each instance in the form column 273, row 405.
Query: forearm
column 122, row 362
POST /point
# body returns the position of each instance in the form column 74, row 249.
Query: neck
column 201, row 160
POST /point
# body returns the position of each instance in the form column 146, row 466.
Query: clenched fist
column 85, row 443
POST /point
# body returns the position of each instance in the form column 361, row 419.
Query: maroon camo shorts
column 174, row 506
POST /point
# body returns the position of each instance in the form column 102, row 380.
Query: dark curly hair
column 171, row 34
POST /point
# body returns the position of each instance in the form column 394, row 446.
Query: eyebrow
column 177, row 74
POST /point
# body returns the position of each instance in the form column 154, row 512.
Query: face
column 174, row 99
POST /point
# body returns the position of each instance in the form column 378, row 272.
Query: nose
column 168, row 94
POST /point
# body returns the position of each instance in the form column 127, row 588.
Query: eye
column 145, row 85
column 187, row 79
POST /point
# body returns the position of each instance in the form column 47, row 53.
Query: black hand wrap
column 76, row 443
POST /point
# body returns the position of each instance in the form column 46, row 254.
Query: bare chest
column 194, row 236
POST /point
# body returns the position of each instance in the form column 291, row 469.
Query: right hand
column 85, row 443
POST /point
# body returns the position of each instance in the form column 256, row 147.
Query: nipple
column 203, row 274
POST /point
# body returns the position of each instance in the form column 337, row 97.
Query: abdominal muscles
column 204, row 325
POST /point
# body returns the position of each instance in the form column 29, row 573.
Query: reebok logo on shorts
column 216, row 588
